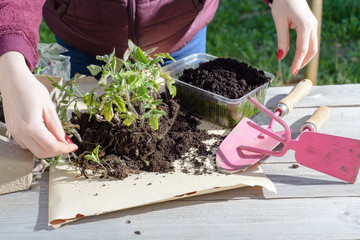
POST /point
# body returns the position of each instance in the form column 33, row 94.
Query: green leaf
column 126, row 54
column 151, row 50
column 110, row 89
column 105, row 99
column 55, row 83
column 120, row 103
column 94, row 69
column 129, row 74
column 123, row 115
column 142, row 91
column 94, row 156
column 106, row 58
column 172, row 90
column 104, row 78
column 77, row 111
column 132, row 79
column 158, row 113
column 155, row 73
column 93, row 98
column 154, row 61
column 127, row 122
column 146, row 105
column 96, row 151
column 113, row 64
column 147, row 114
column 132, row 47
column 108, row 112
column 140, row 56
column 164, row 55
column 169, row 83
column 152, row 84
column 91, row 157
column 154, row 103
column 119, row 64
column 154, row 122
column 86, row 99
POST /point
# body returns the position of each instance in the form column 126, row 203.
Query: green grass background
column 245, row 30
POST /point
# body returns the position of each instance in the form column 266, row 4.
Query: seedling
column 94, row 156
column 131, row 93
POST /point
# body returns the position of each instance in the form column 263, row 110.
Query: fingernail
column 295, row 72
column 280, row 54
column 68, row 139
column 76, row 148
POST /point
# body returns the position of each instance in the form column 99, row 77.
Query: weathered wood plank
column 305, row 182
column 305, row 218
column 330, row 95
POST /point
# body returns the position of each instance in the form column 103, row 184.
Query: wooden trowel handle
column 319, row 117
column 300, row 90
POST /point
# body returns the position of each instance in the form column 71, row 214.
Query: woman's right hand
column 30, row 115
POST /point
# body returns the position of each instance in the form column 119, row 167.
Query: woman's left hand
column 297, row 15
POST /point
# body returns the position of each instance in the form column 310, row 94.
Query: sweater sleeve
column 19, row 28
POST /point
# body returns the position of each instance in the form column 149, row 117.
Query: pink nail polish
column 280, row 54
column 295, row 72
column 68, row 139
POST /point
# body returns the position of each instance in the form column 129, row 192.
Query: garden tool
column 285, row 105
column 229, row 159
column 333, row 155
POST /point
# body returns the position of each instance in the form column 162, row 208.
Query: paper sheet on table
column 72, row 197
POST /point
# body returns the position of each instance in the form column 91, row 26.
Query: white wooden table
column 308, row 205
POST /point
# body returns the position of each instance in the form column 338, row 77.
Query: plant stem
column 129, row 102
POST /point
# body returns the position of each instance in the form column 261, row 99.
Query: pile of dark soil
column 226, row 77
column 125, row 151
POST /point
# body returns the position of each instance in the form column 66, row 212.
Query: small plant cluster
column 131, row 93
column 127, row 92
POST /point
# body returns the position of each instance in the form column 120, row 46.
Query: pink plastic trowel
column 333, row 155
column 230, row 159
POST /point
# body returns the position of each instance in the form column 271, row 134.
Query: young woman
column 94, row 27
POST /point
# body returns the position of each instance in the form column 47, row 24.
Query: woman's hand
column 295, row 14
column 30, row 114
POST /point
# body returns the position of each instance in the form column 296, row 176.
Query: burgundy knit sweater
column 98, row 26
column 19, row 28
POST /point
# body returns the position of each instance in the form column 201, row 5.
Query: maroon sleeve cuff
column 15, row 42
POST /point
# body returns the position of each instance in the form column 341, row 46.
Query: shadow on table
column 302, row 181
column 42, row 219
